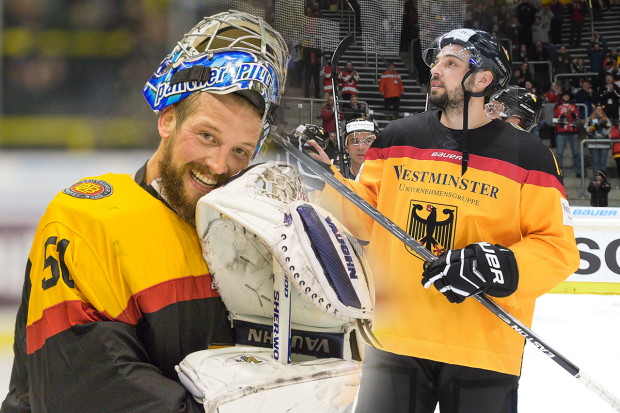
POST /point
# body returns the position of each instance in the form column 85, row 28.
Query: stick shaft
column 342, row 47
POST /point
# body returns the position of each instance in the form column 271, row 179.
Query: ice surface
column 585, row 329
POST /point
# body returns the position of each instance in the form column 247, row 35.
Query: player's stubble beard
column 451, row 101
column 181, row 199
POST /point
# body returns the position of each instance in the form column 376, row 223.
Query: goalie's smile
column 203, row 180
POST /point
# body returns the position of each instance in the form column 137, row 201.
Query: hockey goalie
column 298, row 293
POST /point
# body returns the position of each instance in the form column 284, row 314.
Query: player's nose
column 217, row 160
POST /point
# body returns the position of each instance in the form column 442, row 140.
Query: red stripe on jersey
column 65, row 315
column 59, row 318
column 169, row 292
column 481, row 163
column 540, row 178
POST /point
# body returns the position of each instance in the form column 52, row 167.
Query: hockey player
column 116, row 291
column 470, row 190
column 358, row 135
column 515, row 105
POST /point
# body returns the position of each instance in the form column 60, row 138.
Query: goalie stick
column 412, row 243
column 342, row 47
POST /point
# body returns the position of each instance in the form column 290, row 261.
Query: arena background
column 71, row 106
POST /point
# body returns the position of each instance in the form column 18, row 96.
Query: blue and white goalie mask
column 231, row 52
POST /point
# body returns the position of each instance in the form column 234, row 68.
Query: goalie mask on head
column 231, row 52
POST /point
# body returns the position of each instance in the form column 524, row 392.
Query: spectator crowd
column 581, row 95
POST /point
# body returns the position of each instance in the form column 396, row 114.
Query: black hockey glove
column 479, row 267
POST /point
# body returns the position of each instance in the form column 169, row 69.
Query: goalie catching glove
column 477, row 268
column 320, row 259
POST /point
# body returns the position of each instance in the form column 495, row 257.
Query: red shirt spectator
column 567, row 114
column 349, row 81
column 327, row 78
column 327, row 113
column 554, row 95
column 578, row 10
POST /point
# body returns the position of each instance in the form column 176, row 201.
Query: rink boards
column 597, row 232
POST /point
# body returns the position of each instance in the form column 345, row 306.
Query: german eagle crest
column 432, row 225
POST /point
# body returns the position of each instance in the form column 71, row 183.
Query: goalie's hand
column 479, row 267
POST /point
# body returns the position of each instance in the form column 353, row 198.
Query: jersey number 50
column 54, row 265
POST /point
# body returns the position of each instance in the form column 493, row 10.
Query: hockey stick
column 342, row 47
column 412, row 243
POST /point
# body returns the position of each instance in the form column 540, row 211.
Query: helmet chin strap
column 466, row 96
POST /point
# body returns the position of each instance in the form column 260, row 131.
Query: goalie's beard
column 182, row 200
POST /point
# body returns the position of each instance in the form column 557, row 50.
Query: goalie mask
column 518, row 102
column 231, row 52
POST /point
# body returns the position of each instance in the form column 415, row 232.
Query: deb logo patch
column 432, row 225
column 244, row 359
column 89, row 189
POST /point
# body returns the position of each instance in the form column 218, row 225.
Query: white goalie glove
column 320, row 258
column 260, row 215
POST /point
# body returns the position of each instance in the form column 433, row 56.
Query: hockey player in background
column 117, row 292
column 515, row 105
column 358, row 135
column 471, row 193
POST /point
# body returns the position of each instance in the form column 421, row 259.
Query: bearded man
column 469, row 189
column 117, row 291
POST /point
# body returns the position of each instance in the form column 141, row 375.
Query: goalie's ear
column 166, row 122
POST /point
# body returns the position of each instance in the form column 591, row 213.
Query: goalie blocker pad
column 246, row 379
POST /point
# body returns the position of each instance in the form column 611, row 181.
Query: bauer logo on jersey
column 89, row 189
column 432, row 225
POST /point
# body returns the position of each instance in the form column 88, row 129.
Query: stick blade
column 342, row 47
